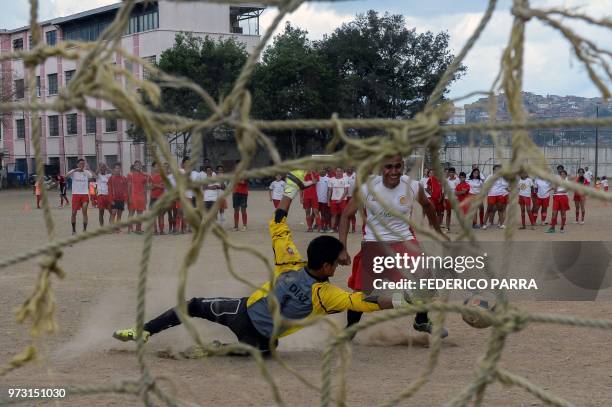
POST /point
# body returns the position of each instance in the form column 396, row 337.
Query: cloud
column 66, row 7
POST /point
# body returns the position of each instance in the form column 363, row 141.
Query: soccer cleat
column 484, row 227
column 427, row 327
column 550, row 230
column 582, row 222
column 244, row 229
column 129, row 334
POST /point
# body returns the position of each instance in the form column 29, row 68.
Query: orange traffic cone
column 26, row 207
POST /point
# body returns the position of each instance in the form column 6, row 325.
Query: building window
column 146, row 74
column 245, row 20
column 53, row 126
column 86, row 30
column 90, row 124
column 21, row 164
column 19, row 89
column 143, row 20
column 111, row 125
column 52, row 84
column 68, row 75
column 38, row 86
column 20, row 125
column 110, row 160
column 71, row 124
column 51, row 37
column 17, row 44
column 92, row 162
column 72, row 162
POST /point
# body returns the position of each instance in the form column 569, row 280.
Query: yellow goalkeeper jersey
column 298, row 293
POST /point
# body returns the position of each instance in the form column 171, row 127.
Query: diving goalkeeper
column 301, row 287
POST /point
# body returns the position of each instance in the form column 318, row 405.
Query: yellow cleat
column 129, row 334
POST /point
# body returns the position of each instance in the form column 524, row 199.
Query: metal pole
column 596, row 142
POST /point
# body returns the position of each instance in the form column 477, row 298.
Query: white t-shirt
column 588, row 175
column 350, row 179
column 102, row 183
column 475, row 186
column 221, row 191
column 337, row 185
column 80, row 182
column 194, row 176
column 499, row 188
column 604, row 182
column 400, row 199
column 277, row 188
column 452, row 183
column 543, row 187
column 322, row 186
column 525, row 187
column 423, row 183
column 560, row 190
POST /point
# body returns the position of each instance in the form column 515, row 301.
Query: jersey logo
column 403, row 200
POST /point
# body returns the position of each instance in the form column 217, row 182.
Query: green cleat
column 129, row 334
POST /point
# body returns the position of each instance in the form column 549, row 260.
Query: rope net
column 97, row 79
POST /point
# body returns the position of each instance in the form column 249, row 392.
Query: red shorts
column 336, row 207
column 465, row 205
column 276, row 202
column 579, row 198
column 542, row 202
column 560, row 203
column 104, row 202
column 498, row 199
column 310, row 203
column 137, row 203
column 438, row 205
column 79, row 200
column 356, row 279
column 524, row 200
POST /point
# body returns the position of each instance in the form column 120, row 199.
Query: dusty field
column 98, row 296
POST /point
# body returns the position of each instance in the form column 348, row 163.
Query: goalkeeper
column 301, row 287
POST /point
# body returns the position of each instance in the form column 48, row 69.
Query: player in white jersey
column 560, row 204
column 497, row 199
column 104, row 201
column 588, row 174
column 542, row 188
column 350, row 178
column 336, row 195
column 452, row 182
column 525, row 185
column 475, row 182
column 322, row 191
column 399, row 193
column 276, row 189
column 80, row 192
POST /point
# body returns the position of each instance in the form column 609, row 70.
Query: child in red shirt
column 462, row 190
column 118, row 193
column 239, row 201
column 157, row 190
column 137, row 196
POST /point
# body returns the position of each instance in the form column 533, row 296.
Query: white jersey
column 350, row 179
column 380, row 221
column 195, row 176
column 102, row 183
column 322, row 189
column 543, row 187
column 452, row 183
column 209, row 194
column 588, row 176
column 80, row 182
column 604, row 183
column 560, row 190
column 337, row 185
column 475, row 186
column 525, row 187
column 423, row 183
column 499, row 188
column 277, row 188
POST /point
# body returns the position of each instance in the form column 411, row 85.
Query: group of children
column 534, row 197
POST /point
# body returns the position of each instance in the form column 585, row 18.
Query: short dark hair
column 323, row 249
column 79, row 160
column 185, row 159
column 560, row 167
column 452, row 169
column 462, row 174
column 207, row 167
column 220, row 166
column 117, row 164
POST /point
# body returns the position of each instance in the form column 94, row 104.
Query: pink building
column 72, row 135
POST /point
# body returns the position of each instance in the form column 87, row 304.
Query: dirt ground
column 98, row 296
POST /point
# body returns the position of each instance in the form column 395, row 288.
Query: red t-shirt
column 435, row 188
column 138, row 183
column 311, row 191
column 462, row 186
column 156, row 191
column 118, row 188
column 242, row 187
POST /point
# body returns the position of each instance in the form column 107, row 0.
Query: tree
column 384, row 68
column 292, row 82
column 213, row 65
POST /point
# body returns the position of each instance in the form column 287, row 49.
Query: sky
column 550, row 66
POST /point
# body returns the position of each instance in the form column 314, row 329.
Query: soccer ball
column 478, row 300
column 295, row 182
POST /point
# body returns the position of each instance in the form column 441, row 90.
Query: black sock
column 166, row 320
column 84, row 227
column 352, row 317
column 421, row 318
column 73, row 227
